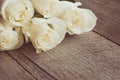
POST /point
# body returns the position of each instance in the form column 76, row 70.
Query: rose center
column 4, row 41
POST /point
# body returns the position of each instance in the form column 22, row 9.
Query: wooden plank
column 107, row 12
column 33, row 69
column 85, row 57
column 10, row 70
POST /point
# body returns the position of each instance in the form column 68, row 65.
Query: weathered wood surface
column 85, row 57
column 108, row 13
column 11, row 70
column 88, row 56
column 36, row 71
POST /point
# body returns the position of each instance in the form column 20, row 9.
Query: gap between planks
column 10, row 70
column 81, row 55
column 21, row 65
column 44, row 73
column 107, row 38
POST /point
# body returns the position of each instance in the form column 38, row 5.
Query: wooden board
column 30, row 66
column 108, row 13
column 88, row 56
column 85, row 57
column 11, row 70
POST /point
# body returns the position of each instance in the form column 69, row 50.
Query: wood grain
column 108, row 13
column 32, row 68
column 88, row 56
column 85, row 57
column 10, row 70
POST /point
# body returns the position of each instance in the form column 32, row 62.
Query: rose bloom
column 79, row 20
column 17, row 12
column 10, row 39
column 45, row 34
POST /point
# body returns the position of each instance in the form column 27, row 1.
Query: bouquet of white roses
column 44, row 23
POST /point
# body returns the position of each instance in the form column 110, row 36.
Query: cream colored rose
column 53, row 8
column 20, row 38
column 79, row 20
column 62, row 7
column 44, row 7
column 43, row 34
column 59, row 26
column 17, row 12
column 10, row 39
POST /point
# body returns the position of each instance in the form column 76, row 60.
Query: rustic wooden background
column 90, row 56
column 108, row 13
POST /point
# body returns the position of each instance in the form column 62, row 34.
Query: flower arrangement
column 44, row 23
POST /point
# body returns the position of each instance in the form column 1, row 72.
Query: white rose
column 17, row 12
column 79, row 20
column 59, row 26
column 10, row 39
column 44, row 6
column 53, row 8
column 20, row 38
column 62, row 7
column 42, row 35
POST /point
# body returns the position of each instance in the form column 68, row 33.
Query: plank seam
column 45, row 70
column 106, row 38
column 84, row 58
column 21, row 65
column 40, row 67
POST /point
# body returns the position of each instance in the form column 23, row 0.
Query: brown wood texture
column 85, row 57
column 11, row 70
column 108, row 13
column 36, row 71
column 88, row 56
